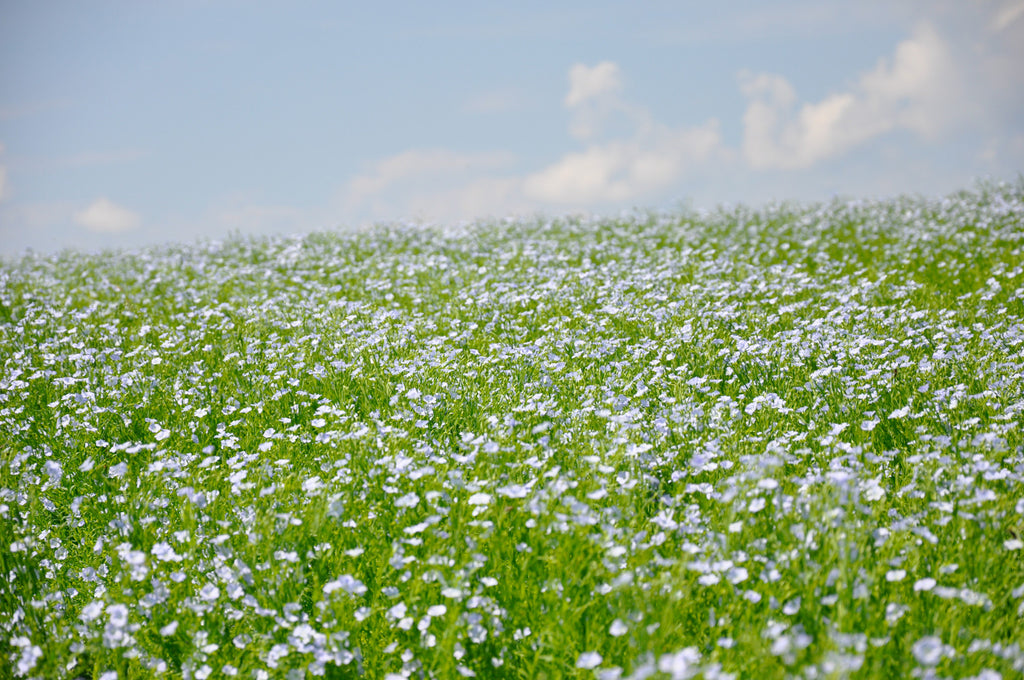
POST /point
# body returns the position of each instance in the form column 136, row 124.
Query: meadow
column 782, row 442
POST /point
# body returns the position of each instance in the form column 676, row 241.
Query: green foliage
column 778, row 442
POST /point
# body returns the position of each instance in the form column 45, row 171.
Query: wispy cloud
column 1008, row 14
column 105, row 216
column 919, row 90
column 596, row 104
column 587, row 83
column 934, row 84
column 627, row 155
column 416, row 173
column 626, row 169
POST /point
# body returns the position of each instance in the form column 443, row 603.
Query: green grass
column 776, row 443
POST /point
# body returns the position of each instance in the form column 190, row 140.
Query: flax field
column 774, row 442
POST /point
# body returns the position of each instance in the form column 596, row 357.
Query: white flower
column 928, row 650
column 91, row 611
column 781, row 645
column 30, row 654
column 437, row 610
column 480, row 499
column 54, row 471
column 170, row 629
column 894, row 575
column 873, row 490
column 900, row 412
column 118, row 615
column 588, row 660
column 925, row 584
column 618, row 628
column 409, row 500
column 346, row 582
column 681, row 664
column 209, row 592
column 1013, row 544
column 513, row 491
column 737, row 575
column 165, row 553
column 708, row 579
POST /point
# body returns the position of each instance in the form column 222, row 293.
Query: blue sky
column 129, row 123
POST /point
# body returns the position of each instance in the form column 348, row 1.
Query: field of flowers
column 771, row 443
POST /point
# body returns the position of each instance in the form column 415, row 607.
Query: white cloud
column 586, row 83
column 624, row 170
column 105, row 216
column 595, row 103
column 637, row 158
column 432, row 184
column 468, row 198
column 1007, row 14
column 920, row 90
column 418, row 164
column 939, row 84
column 628, row 156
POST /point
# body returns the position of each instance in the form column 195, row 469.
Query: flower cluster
column 767, row 442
